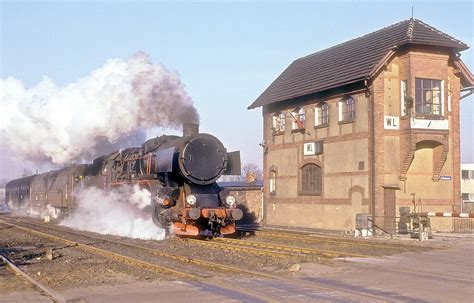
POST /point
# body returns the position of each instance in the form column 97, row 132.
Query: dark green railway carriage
column 56, row 188
column 17, row 192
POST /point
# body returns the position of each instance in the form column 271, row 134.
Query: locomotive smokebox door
column 203, row 159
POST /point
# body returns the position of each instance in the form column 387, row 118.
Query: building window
column 278, row 123
column 299, row 118
column 322, row 114
column 347, row 109
column 465, row 174
column 403, row 98
column 272, row 181
column 465, row 196
column 311, row 179
column 428, row 97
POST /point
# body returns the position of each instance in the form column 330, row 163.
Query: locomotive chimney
column 190, row 129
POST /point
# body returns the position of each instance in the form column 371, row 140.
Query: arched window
column 347, row 109
column 272, row 181
column 322, row 114
column 298, row 118
column 311, row 179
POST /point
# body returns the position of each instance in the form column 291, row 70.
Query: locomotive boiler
column 180, row 173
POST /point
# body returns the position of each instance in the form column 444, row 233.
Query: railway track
column 337, row 240
column 293, row 282
column 51, row 294
column 182, row 259
column 142, row 264
column 272, row 249
column 98, row 251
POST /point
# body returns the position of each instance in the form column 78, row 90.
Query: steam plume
column 122, row 212
column 95, row 114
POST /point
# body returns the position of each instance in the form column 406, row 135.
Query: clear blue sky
column 226, row 53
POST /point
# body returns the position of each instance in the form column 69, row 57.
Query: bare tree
column 251, row 172
column 249, row 168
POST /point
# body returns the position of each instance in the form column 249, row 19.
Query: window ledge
column 278, row 133
column 298, row 130
column 321, row 126
column 305, row 193
column 429, row 117
column 346, row 122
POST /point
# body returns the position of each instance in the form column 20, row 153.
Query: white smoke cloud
column 121, row 212
column 27, row 209
column 50, row 123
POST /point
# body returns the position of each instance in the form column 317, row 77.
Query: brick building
column 467, row 187
column 365, row 126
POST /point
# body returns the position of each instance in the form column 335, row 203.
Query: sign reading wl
column 391, row 122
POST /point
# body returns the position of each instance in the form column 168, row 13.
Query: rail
column 312, row 237
column 54, row 296
column 294, row 249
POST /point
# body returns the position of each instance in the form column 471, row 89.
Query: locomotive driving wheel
column 161, row 216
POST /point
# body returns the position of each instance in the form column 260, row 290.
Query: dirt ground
column 70, row 266
column 81, row 276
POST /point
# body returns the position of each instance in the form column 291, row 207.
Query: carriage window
column 311, row 179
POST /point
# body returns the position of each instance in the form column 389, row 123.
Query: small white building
column 467, row 187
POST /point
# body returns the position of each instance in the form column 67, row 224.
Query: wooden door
column 390, row 201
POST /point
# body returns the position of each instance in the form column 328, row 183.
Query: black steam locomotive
column 180, row 172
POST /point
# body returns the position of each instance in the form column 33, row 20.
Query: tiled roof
column 351, row 61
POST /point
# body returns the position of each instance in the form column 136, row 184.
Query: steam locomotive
column 180, row 172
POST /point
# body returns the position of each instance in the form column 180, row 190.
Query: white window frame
column 442, row 98
column 449, row 97
column 403, row 95
column 272, row 182
column 297, row 113
column 278, row 122
column 341, row 104
column 317, row 111
column 441, row 101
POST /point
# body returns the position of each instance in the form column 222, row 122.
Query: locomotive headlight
column 191, row 199
column 230, row 200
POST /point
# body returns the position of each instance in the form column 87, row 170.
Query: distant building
column 467, row 187
column 366, row 126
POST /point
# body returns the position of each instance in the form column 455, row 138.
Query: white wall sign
column 309, row 149
column 429, row 124
column 391, row 122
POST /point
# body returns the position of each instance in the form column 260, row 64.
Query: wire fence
column 406, row 225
